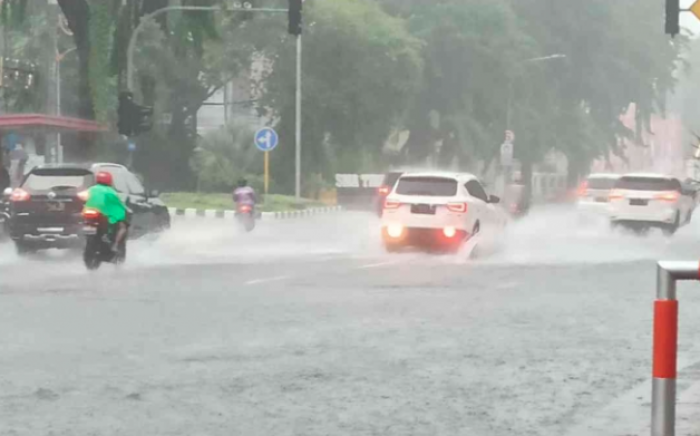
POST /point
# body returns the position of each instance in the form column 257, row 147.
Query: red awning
column 31, row 123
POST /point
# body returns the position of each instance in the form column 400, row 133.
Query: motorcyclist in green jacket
column 105, row 199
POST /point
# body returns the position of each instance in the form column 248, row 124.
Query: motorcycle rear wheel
column 91, row 254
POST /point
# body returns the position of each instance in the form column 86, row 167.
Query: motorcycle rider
column 105, row 199
column 244, row 194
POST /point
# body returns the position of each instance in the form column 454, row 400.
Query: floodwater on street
column 307, row 327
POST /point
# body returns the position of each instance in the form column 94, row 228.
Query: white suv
column 594, row 194
column 438, row 210
column 650, row 200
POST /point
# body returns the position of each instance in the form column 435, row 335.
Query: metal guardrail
column 664, row 372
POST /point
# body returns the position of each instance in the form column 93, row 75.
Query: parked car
column 641, row 201
column 45, row 210
column 439, row 210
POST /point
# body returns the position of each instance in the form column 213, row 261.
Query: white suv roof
column 457, row 176
column 604, row 176
column 650, row 176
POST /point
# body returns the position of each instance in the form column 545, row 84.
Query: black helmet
column 242, row 183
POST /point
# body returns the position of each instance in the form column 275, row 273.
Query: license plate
column 89, row 230
column 601, row 200
column 424, row 209
column 56, row 207
column 638, row 202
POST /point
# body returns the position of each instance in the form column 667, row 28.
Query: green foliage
column 13, row 12
column 224, row 201
column 616, row 53
column 361, row 69
column 440, row 70
column 102, row 83
column 226, row 155
column 26, row 41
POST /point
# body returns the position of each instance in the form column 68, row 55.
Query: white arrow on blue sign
column 266, row 139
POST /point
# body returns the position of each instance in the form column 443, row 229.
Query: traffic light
column 295, row 9
column 673, row 11
column 133, row 118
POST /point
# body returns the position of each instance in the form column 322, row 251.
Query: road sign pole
column 267, row 171
column 298, row 123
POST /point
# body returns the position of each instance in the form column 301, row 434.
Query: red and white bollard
column 663, row 396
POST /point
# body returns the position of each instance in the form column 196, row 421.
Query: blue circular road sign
column 266, row 139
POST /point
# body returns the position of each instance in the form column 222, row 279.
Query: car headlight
column 395, row 230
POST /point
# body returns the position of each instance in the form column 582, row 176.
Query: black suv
column 45, row 210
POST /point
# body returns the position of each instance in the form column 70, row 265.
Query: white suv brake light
column 670, row 197
column 391, row 204
column 457, row 207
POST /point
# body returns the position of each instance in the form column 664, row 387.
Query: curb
column 230, row 214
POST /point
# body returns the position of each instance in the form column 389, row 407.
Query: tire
column 249, row 225
column 671, row 229
column 5, row 230
column 91, row 254
column 120, row 257
column 23, row 249
column 163, row 222
column 391, row 248
column 475, row 254
column 247, row 222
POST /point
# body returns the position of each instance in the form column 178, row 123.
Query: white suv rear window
column 427, row 186
column 60, row 178
column 648, row 184
column 601, row 183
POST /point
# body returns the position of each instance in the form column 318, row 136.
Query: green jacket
column 106, row 200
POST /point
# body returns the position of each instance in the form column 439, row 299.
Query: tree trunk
column 77, row 14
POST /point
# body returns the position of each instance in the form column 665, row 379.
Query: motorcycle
column 246, row 217
column 99, row 237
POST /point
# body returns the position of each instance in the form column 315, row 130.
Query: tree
column 25, row 36
column 179, row 70
column 469, row 49
column 361, row 69
column 226, row 155
column 617, row 54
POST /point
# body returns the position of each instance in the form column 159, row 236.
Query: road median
column 219, row 206
column 230, row 214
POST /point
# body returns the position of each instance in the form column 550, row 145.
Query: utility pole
column 297, row 132
column 295, row 28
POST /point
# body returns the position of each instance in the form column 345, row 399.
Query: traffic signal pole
column 297, row 133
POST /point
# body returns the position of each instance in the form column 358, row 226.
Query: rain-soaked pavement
column 308, row 328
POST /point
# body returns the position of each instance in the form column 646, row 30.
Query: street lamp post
column 59, row 59
column 512, row 79
column 507, row 170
